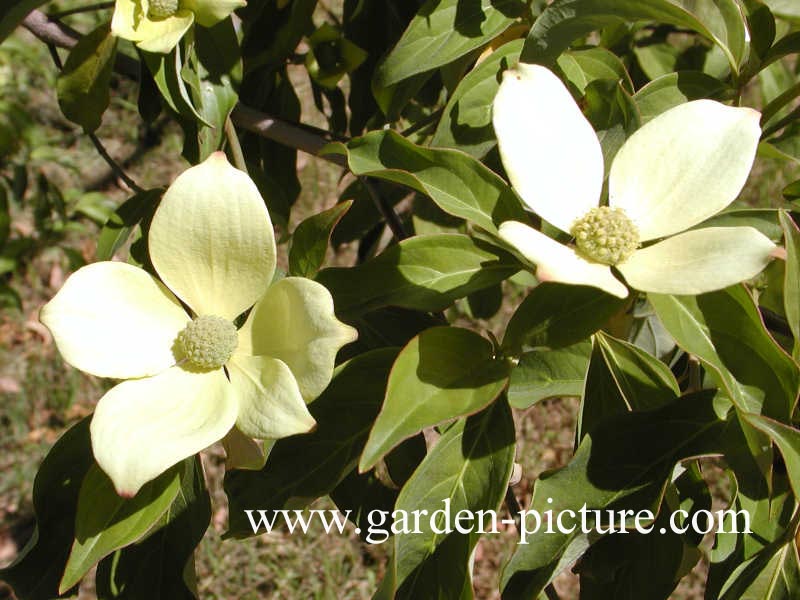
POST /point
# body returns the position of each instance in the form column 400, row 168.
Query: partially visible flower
column 158, row 25
column 193, row 378
column 676, row 171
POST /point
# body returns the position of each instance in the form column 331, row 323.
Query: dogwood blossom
column 158, row 25
column 676, row 171
column 193, row 378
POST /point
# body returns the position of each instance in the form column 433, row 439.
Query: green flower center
column 161, row 9
column 606, row 235
column 207, row 342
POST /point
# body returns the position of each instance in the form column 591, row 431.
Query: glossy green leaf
column 166, row 70
column 423, row 273
column 787, row 439
column 543, row 374
column 442, row 31
column 623, row 463
column 555, row 315
column 586, row 65
column 772, row 574
column 466, row 122
column 302, row 468
column 468, row 469
column 563, row 21
column 106, row 522
column 83, row 86
column 764, row 219
column 458, row 183
column 36, row 572
column 791, row 284
column 443, row 373
column 673, row 89
column 614, row 115
column 162, row 566
column 121, row 224
column 724, row 331
column 310, row 240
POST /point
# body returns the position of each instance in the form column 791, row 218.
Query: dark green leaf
column 724, row 330
column 564, row 21
column 310, row 240
column 555, row 315
column 791, row 284
column 468, row 469
column 13, row 12
column 106, row 522
column 423, row 273
column 673, row 89
column 443, row 31
column 543, row 374
column 36, row 572
column 458, row 183
column 119, row 226
column 443, row 373
column 83, row 86
column 622, row 464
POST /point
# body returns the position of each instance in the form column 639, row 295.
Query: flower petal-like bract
column 699, row 261
column 557, row 262
column 270, row 403
column 131, row 22
column 549, row 150
column 684, row 166
column 112, row 319
column 211, row 239
column 295, row 322
column 142, row 427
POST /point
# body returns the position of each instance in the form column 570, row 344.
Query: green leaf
column 724, row 331
column 764, row 219
column 791, row 284
column 544, row 374
column 441, row 32
column 166, row 70
column 162, row 566
column 673, row 89
column 787, row 439
column 458, row 183
column 772, row 574
column 423, row 273
column 622, row 464
column 302, row 468
column 466, row 122
column 13, row 12
column 119, row 226
column 467, row 469
column 586, row 65
column 443, row 373
column 83, row 85
column 555, row 315
column 310, row 240
column 106, row 522
column 36, row 572
column 564, row 21
column 614, row 115
column 644, row 381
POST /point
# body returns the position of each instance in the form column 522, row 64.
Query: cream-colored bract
column 131, row 21
column 212, row 244
column 676, row 171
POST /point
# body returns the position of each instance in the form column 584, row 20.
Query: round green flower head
column 207, row 342
column 161, row 9
column 606, row 235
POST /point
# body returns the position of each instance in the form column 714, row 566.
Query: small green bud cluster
column 207, row 342
column 606, row 235
column 161, row 9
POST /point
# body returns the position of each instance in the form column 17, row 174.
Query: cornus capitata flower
column 158, row 25
column 193, row 378
column 676, row 171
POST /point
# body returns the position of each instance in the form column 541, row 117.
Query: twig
column 386, row 209
column 293, row 135
column 114, row 164
column 236, row 147
column 82, row 9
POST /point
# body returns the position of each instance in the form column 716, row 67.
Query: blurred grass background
column 71, row 190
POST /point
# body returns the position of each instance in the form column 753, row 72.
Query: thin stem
column 514, row 508
column 422, row 123
column 120, row 172
column 82, row 9
column 386, row 209
column 235, row 146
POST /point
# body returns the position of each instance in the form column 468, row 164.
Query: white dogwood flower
column 676, row 171
column 192, row 378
